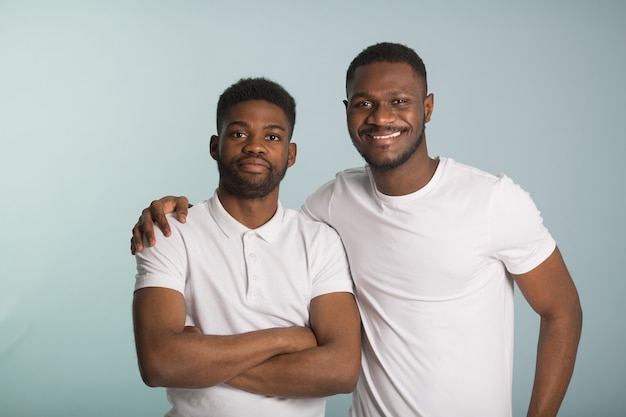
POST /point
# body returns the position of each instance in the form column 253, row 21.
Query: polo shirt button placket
column 254, row 291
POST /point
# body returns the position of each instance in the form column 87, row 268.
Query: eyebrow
column 265, row 127
column 366, row 96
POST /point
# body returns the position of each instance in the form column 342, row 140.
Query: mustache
column 256, row 159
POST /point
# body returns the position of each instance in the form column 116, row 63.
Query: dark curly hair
column 388, row 52
column 260, row 88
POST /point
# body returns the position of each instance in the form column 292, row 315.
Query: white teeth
column 392, row 135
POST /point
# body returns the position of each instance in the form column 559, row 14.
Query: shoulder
column 353, row 176
column 323, row 249
column 475, row 179
column 196, row 216
column 349, row 176
column 308, row 227
column 510, row 207
column 473, row 189
column 196, row 213
column 352, row 180
column 457, row 169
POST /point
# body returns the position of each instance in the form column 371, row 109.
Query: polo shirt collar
column 231, row 227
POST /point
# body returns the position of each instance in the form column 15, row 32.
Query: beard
column 390, row 164
column 249, row 186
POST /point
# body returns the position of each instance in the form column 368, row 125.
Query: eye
column 401, row 101
column 363, row 104
column 239, row 135
column 272, row 137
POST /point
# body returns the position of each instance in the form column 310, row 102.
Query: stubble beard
column 389, row 165
column 241, row 186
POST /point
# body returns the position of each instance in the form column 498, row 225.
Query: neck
column 409, row 177
column 251, row 212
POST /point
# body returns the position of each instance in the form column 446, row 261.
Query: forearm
column 316, row 372
column 330, row 368
column 170, row 355
column 556, row 355
column 187, row 360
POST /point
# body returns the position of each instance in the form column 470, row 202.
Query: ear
column 214, row 146
column 291, row 155
column 345, row 103
column 429, row 103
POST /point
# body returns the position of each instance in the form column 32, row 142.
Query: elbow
column 568, row 319
column 575, row 315
column 150, row 376
column 579, row 320
column 154, row 372
column 346, row 365
column 346, row 374
column 579, row 315
column 348, row 380
column 345, row 386
column 171, row 371
column 151, row 379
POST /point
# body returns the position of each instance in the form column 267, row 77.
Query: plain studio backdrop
column 107, row 105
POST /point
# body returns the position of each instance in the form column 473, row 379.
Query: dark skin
column 155, row 213
column 387, row 107
column 392, row 95
column 551, row 293
column 254, row 150
column 386, row 124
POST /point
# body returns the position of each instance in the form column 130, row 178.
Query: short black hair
column 388, row 52
column 259, row 88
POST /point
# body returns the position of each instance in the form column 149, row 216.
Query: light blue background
column 107, row 105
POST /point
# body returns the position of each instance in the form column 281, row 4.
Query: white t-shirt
column 237, row 280
column 435, row 299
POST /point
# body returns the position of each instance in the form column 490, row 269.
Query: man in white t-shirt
column 248, row 309
column 435, row 248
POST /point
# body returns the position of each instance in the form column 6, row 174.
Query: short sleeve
column 162, row 265
column 332, row 272
column 519, row 238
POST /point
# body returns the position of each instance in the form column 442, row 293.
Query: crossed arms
column 286, row 362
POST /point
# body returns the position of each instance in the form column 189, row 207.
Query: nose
column 255, row 145
column 381, row 115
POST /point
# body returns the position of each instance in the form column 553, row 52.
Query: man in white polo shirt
column 248, row 309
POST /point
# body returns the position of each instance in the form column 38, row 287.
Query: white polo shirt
column 236, row 280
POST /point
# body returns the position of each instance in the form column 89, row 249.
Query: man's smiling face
column 387, row 109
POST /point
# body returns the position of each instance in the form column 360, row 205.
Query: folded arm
column 169, row 356
column 330, row 368
column 550, row 291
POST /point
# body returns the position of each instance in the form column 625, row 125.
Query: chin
column 384, row 162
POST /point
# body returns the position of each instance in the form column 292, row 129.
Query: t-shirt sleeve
column 317, row 205
column 332, row 272
column 519, row 237
column 162, row 265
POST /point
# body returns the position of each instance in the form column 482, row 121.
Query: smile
column 389, row 136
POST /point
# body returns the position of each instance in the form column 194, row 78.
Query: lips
column 254, row 165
